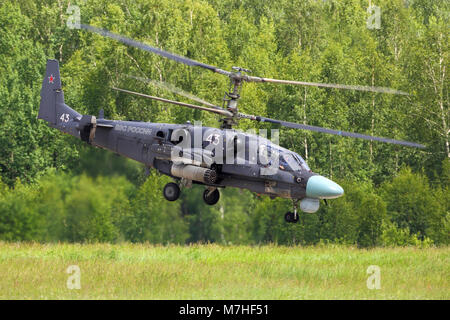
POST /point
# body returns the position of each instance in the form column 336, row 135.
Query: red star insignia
column 50, row 79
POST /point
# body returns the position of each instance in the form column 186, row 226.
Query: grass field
column 140, row 271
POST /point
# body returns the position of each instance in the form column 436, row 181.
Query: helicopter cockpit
column 287, row 160
column 290, row 161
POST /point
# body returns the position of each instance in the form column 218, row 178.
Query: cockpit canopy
column 257, row 149
column 287, row 160
column 291, row 161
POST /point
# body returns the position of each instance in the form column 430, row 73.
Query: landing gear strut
column 292, row 217
column 211, row 196
column 171, row 191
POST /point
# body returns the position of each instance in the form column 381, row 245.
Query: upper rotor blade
column 331, row 131
column 146, row 47
column 327, row 85
column 217, row 110
column 172, row 88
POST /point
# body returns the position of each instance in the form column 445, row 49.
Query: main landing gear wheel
column 211, row 197
column 171, row 191
column 291, row 217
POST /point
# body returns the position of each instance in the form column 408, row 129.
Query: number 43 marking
column 65, row 117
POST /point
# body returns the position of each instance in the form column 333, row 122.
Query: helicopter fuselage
column 236, row 157
column 216, row 158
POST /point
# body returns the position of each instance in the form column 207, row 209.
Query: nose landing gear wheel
column 211, row 197
column 171, row 191
column 291, row 217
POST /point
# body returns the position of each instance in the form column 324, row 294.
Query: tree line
column 83, row 208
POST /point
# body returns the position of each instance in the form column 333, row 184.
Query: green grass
column 142, row 271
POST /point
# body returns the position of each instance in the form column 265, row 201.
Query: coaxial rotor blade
column 191, row 62
column 172, row 88
column 217, row 110
column 330, row 131
column 327, row 85
column 157, row 51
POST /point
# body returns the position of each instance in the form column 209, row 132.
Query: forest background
column 55, row 188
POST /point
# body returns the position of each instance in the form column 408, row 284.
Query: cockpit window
column 288, row 162
column 301, row 161
column 292, row 162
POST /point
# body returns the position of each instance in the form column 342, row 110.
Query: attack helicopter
column 213, row 157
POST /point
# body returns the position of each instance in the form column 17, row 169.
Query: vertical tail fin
column 52, row 107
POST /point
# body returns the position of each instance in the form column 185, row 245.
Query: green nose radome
column 323, row 188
